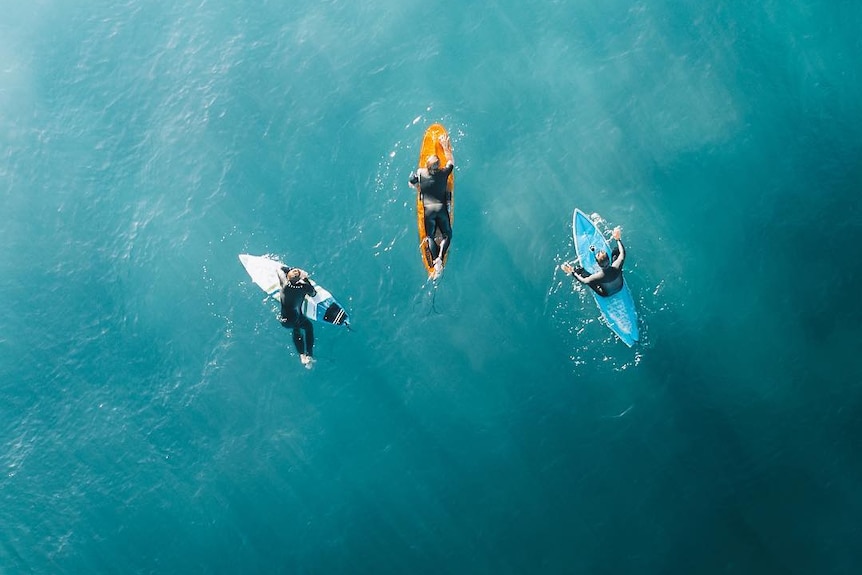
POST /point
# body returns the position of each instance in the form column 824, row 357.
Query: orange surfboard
column 431, row 145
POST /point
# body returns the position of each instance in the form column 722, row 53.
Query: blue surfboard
column 618, row 310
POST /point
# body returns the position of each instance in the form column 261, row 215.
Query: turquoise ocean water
column 154, row 417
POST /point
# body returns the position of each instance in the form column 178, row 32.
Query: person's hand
column 444, row 141
column 618, row 231
column 566, row 267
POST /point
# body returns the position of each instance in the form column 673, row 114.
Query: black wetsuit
column 292, row 316
column 611, row 283
column 435, row 200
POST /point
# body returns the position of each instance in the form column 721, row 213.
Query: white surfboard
column 263, row 271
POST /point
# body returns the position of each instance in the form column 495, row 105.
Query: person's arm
column 588, row 279
column 447, row 149
column 618, row 262
column 309, row 289
column 566, row 267
column 282, row 275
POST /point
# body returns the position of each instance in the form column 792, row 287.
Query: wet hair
column 602, row 258
column 432, row 159
column 294, row 275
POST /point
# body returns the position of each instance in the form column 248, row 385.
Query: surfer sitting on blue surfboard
column 294, row 287
column 609, row 279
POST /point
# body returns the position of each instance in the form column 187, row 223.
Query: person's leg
column 290, row 322
column 297, row 340
column 430, row 231
column 309, row 337
column 595, row 287
column 445, row 231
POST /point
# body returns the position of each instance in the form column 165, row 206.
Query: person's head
column 294, row 275
column 602, row 258
column 432, row 162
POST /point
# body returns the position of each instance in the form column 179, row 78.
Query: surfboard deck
column 322, row 307
column 431, row 145
column 617, row 310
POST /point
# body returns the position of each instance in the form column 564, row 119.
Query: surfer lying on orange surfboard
column 431, row 182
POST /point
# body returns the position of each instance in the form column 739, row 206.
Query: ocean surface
column 155, row 417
